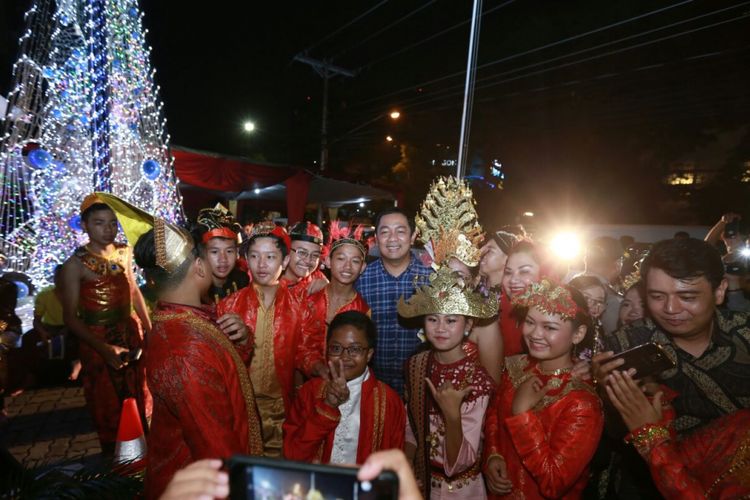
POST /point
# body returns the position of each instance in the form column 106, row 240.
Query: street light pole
column 326, row 70
column 471, row 72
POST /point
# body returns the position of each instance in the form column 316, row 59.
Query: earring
column 466, row 333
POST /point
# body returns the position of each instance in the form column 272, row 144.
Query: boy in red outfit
column 349, row 414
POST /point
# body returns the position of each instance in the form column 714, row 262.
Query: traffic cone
column 130, row 448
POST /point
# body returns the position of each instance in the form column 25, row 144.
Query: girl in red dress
column 544, row 425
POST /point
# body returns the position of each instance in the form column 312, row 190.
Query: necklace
column 554, row 373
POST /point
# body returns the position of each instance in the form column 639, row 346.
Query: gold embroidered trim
column 329, row 414
column 740, row 467
column 255, row 444
column 160, row 242
column 379, row 402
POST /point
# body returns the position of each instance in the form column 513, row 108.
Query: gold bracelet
column 646, row 437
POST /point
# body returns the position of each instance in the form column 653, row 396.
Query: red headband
column 221, row 232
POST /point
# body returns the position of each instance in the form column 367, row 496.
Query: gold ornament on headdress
column 173, row 244
column 548, row 297
column 630, row 280
column 447, row 222
column 446, row 293
column 218, row 223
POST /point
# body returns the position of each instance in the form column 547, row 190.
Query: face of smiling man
column 395, row 238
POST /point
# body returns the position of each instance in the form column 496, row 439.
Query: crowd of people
column 490, row 364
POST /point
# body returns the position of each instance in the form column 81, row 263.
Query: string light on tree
column 83, row 114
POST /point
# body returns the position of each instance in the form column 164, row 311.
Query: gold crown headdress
column 218, row 223
column 446, row 293
column 548, row 297
column 173, row 244
column 447, row 222
column 630, row 280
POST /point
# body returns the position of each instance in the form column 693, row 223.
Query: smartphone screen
column 284, row 480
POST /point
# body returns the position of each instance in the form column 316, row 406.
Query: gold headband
column 447, row 222
column 447, row 293
column 173, row 244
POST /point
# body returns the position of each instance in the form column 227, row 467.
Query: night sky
column 585, row 103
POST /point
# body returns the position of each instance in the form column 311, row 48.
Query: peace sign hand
column 448, row 398
column 336, row 390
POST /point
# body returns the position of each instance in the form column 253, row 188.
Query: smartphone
column 131, row 355
column 647, row 359
column 252, row 478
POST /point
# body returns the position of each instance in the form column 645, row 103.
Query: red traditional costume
column 311, row 424
column 711, row 462
column 509, row 328
column 204, row 406
column 284, row 341
column 548, row 448
column 299, row 290
column 105, row 307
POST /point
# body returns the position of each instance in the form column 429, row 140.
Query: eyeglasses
column 592, row 302
column 305, row 255
column 354, row 351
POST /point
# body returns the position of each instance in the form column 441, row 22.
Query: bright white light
column 566, row 245
column 389, row 138
column 395, row 115
column 256, row 191
column 528, row 214
column 249, row 126
column 362, row 205
column 745, row 252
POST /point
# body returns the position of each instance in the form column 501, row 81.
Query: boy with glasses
column 301, row 273
column 347, row 415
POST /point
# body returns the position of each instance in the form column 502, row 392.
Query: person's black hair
column 582, row 318
column 8, row 295
column 681, row 234
column 246, row 244
column 685, row 259
column 358, row 320
column 96, row 207
column 158, row 279
column 391, row 211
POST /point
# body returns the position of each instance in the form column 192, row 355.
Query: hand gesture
column 201, row 479
column 336, row 390
column 634, row 407
column 496, row 474
column 448, row 398
column 528, row 395
column 730, row 217
column 232, row 325
column 112, row 355
column 582, row 369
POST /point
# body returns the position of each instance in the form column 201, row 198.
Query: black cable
column 342, row 28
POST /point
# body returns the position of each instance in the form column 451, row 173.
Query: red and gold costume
column 284, row 342
column 309, row 429
column 318, row 302
column 204, row 406
column 548, row 448
column 509, row 328
column 299, row 290
column 105, row 307
column 711, row 462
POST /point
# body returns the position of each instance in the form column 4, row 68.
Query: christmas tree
column 83, row 115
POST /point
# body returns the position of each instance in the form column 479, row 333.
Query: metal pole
column 471, row 71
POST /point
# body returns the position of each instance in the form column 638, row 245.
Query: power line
column 436, row 35
column 386, row 28
column 342, row 28
column 447, row 92
column 530, row 51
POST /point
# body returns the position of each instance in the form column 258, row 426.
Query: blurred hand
column 201, row 480
column 394, row 460
column 111, row 354
column 528, row 395
column 496, row 474
column 448, row 398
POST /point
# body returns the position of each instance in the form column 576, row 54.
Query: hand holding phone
column 647, row 359
column 252, row 477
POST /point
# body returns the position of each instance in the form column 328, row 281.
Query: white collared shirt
column 346, row 437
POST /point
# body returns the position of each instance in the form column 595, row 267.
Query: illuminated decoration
column 745, row 177
column 83, row 115
column 684, row 179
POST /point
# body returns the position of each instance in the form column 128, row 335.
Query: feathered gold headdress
column 218, row 222
column 630, row 280
column 446, row 293
column 447, row 223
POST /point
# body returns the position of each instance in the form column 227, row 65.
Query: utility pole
column 326, row 70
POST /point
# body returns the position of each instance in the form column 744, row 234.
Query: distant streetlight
column 389, row 138
column 395, row 115
column 528, row 214
column 249, row 127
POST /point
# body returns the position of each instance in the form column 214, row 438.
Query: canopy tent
column 235, row 178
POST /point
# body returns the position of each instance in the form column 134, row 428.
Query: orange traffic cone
column 130, row 448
